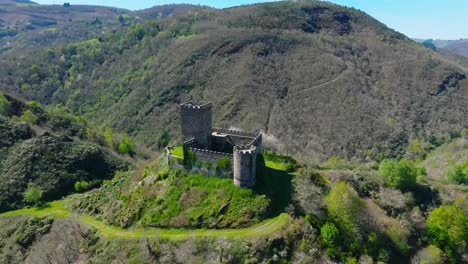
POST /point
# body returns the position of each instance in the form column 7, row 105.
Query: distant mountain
column 458, row 47
column 17, row 2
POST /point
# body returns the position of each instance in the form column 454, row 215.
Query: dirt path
column 58, row 209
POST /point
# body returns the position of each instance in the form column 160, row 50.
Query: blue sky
column 441, row 19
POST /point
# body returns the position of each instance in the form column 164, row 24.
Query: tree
column 32, row 195
column 428, row 255
column 81, row 186
column 399, row 174
column 5, row 106
column 344, row 207
column 429, row 43
column 127, row 146
column 447, row 228
column 109, row 138
column 329, row 234
column 459, row 173
column 29, row 117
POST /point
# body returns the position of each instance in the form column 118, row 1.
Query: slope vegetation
column 319, row 78
column 47, row 151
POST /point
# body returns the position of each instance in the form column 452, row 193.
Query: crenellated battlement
column 196, row 105
column 189, row 142
column 236, row 132
column 198, row 136
column 245, row 149
column 211, row 152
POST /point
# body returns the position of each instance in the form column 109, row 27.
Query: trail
column 346, row 71
column 58, row 209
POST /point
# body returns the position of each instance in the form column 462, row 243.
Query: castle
column 206, row 148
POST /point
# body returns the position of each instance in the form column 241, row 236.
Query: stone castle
column 208, row 145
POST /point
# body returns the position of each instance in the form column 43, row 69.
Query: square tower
column 196, row 122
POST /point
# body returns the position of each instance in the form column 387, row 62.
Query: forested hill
column 319, row 79
column 28, row 26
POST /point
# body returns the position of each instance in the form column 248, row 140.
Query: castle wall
column 203, row 156
column 196, row 123
column 245, row 162
column 258, row 143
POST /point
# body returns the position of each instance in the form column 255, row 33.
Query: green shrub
column 223, row 163
column 447, row 228
column 109, row 138
column 329, row 234
column 32, row 195
column 127, row 146
column 208, row 165
column 29, row 117
column 5, row 106
column 399, row 174
column 81, row 186
column 459, row 174
column 344, row 207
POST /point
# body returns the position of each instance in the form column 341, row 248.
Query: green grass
column 274, row 181
column 178, row 152
column 58, row 209
column 276, row 162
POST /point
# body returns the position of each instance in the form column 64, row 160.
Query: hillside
column 342, row 82
column 41, row 26
column 46, row 152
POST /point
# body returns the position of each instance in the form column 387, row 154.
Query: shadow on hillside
column 426, row 196
column 275, row 184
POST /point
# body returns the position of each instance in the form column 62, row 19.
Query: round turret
column 245, row 160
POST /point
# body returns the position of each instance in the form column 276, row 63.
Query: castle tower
column 245, row 160
column 196, row 122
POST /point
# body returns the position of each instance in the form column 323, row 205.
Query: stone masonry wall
column 204, row 156
column 197, row 123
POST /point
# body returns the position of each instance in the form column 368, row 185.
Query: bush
column 344, row 207
column 81, row 186
column 459, row 173
column 29, row 117
column 32, row 195
column 127, row 146
column 447, row 228
column 5, row 106
column 223, row 163
column 399, row 174
column 428, row 255
column 329, row 234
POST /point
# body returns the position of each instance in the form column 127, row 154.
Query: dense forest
column 365, row 131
